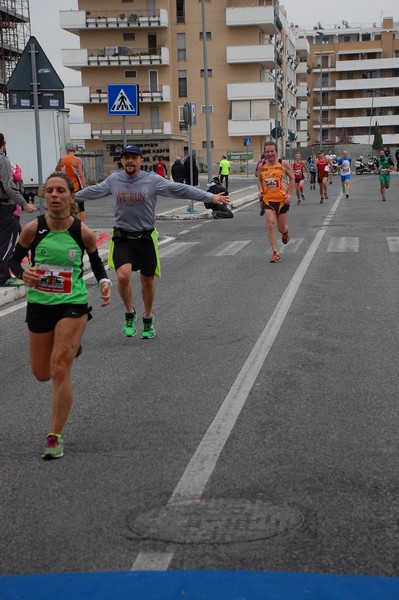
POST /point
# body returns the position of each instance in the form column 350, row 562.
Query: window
column 180, row 13
column 204, row 144
column 181, row 46
column 208, row 35
column 203, row 108
column 130, row 74
column 182, row 79
column 127, row 1
column 129, row 37
column 209, row 72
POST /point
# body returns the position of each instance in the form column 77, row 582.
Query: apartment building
column 14, row 34
column 158, row 44
column 354, row 81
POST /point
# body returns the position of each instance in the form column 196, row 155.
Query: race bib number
column 54, row 279
column 273, row 183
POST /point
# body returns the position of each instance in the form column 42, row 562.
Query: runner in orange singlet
column 72, row 166
column 275, row 194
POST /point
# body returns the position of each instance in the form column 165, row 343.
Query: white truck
column 18, row 127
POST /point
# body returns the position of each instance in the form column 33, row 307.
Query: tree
column 378, row 142
column 343, row 136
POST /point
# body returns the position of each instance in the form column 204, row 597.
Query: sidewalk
column 10, row 294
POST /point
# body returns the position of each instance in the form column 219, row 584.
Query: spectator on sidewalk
column 10, row 198
column 178, row 171
column 224, row 171
column 218, row 211
column 186, row 170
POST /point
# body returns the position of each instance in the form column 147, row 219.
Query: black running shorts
column 280, row 209
column 42, row 318
column 139, row 252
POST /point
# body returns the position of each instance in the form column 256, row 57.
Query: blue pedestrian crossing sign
column 123, row 99
column 247, row 141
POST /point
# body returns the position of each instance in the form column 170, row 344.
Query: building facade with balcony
column 158, row 44
column 355, row 80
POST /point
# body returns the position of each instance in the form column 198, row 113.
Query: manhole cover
column 216, row 522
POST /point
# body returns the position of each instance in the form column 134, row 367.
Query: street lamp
column 371, row 116
column 321, row 89
column 207, row 107
column 276, row 100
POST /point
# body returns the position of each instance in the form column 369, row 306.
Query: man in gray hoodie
column 135, row 239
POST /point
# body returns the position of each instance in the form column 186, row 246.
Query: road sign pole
column 190, row 149
column 37, row 122
column 124, row 131
column 247, row 163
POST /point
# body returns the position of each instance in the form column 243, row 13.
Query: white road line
column 198, row 471
column 152, row 561
column 192, row 484
column 291, row 247
column 393, row 243
column 343, row 244
column 229, row 248
column 246, row 205
column 176, row 248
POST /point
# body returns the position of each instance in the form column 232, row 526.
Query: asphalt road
column 256, row 432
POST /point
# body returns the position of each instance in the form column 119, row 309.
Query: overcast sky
column 45, row 23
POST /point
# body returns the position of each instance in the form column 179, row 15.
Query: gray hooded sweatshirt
column 136, row 197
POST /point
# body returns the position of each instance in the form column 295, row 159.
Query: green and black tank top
column 58, row 256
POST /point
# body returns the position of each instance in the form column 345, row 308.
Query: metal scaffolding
column 14, row 35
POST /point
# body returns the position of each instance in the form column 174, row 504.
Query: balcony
column 260, row 54
column 373, row 64
column 98, row 95
column 78, row 20
column 377, row 83
column 302, row 91
column 383, row 120
column 251, row 16
column 250, row 91
column 378, row 101
column 303, row 69
column 302, row 47
column 116, row 128
column 250, row 128
column 114, row 56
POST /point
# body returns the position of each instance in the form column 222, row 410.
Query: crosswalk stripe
column 343, row 244
column 291, row 247
column 393, row 243
column 229, row 248
column 176, row 248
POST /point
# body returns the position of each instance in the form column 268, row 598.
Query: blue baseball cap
column 131, row 150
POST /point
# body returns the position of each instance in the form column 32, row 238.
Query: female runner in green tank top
column 57, row 307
